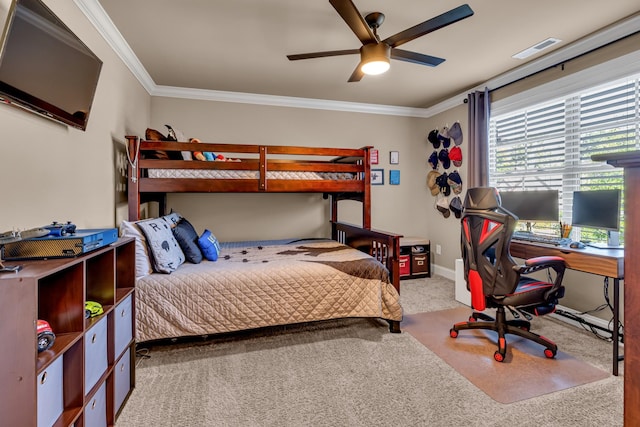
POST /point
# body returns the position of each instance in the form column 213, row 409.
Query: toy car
column 46, row 337
column 92, row 309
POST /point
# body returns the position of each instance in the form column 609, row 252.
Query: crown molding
column 104, row 25
column 101, row 21
column 286, row 101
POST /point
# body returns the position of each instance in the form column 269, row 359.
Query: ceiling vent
column 545, row 44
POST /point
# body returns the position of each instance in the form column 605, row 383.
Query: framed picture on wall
column 377, row 176
column 373, row 156
column 394, row 157
column 394, row 177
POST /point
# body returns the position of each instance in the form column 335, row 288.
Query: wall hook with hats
column 446, row 186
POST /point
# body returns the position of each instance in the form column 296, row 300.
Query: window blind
column 548, row 145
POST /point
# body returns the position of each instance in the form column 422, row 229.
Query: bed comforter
column 254, row 285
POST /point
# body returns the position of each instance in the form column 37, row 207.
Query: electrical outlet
column 438, row 250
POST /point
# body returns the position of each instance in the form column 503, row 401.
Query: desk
column 602, row 262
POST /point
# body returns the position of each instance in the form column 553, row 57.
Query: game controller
column 60, row 229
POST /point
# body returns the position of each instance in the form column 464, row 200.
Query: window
column 549, row 145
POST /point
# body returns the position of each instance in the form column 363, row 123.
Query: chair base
column 503, row 326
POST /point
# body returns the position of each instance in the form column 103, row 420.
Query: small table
column 415, row 257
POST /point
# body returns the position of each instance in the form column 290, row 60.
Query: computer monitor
column 533, row 205
column 598, row 209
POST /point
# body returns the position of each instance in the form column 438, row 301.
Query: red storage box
column 405, row 265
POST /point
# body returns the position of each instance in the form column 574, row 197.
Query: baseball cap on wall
column 443, row 206
column 432, row 183
column 455, row 133
column 455, row 182
column 443, row 155
column 456, row 206
column 433, row 138
column 433, row 159
column 455, row 154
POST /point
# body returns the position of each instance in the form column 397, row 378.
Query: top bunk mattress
column 249, row 174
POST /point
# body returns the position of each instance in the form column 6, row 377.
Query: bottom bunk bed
column 273, row 283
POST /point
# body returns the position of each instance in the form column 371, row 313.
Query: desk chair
column 496, row 281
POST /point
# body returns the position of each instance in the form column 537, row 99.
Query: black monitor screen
column 596, row 209
column 532, row 205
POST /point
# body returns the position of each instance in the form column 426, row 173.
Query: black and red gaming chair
column 495, row 280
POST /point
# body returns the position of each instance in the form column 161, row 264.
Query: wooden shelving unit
column 85, row 378
column 415, row 257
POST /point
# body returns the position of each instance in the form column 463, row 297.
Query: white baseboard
column 444, row 272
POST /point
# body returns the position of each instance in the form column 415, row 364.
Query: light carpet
column 352, row 372
column 525, row 372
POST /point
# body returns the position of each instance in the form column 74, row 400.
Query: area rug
column 524, row 374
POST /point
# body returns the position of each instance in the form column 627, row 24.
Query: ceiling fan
column 375, row 53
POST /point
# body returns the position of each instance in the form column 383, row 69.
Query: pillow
column 143, row 263
column 178, row 136
column 165, row 250
column 172, row 219
column 187, row 238
column 209, row 245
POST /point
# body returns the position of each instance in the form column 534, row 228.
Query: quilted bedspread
column 253, row 285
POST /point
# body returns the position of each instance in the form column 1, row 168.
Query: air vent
column 536, row 48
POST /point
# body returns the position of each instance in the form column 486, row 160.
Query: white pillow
column 173, row 219
column 143, row 263
column 166, row 253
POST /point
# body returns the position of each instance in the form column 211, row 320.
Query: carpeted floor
column 353, row 372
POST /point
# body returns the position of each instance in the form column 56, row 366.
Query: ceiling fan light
column 375, row 58
column 373, row 68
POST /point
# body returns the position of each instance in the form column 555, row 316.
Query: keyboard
column 538, row 238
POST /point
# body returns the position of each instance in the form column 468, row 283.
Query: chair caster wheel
column 498, row 357
column 453, row 333
column 549, row 353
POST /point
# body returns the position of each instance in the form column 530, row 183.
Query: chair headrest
column 482, row 198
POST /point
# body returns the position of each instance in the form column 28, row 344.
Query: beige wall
column 402, row 208
column 52, row 172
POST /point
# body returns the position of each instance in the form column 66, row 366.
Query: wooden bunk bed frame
column 261, row 159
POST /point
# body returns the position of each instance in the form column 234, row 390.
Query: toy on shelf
column 46, row 337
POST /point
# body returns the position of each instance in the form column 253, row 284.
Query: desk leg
column 616, row 316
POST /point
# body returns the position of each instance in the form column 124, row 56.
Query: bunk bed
column 157, row 168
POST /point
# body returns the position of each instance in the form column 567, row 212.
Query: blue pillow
column 187, row 238
column 209, row 245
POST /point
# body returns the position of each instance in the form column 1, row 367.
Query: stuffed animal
column 199, row 155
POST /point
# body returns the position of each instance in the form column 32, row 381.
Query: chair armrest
column 532, row 265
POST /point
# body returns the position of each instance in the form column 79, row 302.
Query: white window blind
column 549, row 145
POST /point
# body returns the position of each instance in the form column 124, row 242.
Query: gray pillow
column 187, row 238
column 164, row 248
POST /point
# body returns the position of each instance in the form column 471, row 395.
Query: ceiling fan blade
column 357, row 74
column 348, row 11
column 416, row 58
column 322, row 54
column 447, row 18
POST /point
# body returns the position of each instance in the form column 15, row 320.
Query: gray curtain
column 478, row 155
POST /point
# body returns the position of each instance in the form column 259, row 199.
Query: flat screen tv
column 44, row 67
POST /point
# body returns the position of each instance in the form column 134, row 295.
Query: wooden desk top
column 603, row 262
